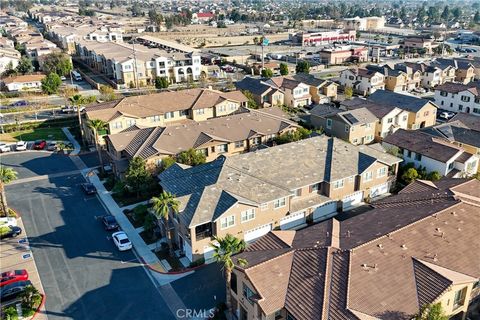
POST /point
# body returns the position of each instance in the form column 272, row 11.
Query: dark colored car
column 11, row 233
column 109, row 222
column 39, row 144
column 20, row 103
column 89, row 188
column 12, row 290
column 13, row 276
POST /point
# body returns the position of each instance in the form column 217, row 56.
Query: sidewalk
column 71, row 138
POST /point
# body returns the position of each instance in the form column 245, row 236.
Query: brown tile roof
column 24, row 78
column 453, row 87
column 471, row 121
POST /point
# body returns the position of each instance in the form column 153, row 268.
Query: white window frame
column 169, row 115
column 381, row 172
column 247, row 215
column 368, row 176
column 338, row 184
column 227, row 222
column 279, row 203
column 264, row 206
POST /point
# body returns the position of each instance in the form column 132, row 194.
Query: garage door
column 379, row 190
column 257, row 232
column 292, row 220
column 324, row 211
column 352, row 200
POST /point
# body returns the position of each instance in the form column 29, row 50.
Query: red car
column 39, row 144
column 13, row 276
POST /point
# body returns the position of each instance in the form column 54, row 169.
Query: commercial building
column 343, row 54
column 322, row 37
column 365, row 23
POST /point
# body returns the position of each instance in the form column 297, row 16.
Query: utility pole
column 135, row 75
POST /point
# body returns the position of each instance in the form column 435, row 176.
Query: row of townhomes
column 241, row 195
column 408, row 76
column 458, row 97
column 292, row 91
column 364, row 120
column 407, row 251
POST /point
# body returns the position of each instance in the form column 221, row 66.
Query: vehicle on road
column 21, row 146
column 76, row 76
column 63, row 78
column 13, row 276
column 52, row 146
column 11, row 291
column 70, row 109
column 446, row 115
column 5, row 147
column 420, row 90
column 8, row 221
column 89, row 188
column 121, row 241
column 9, row 232
column 109, row 222
column 39, row 144
column 21, row 103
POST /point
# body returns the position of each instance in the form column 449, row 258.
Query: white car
column 121, row 241
column 4, row 147
column 446, row 115
column 8, row 221
column 21, row 146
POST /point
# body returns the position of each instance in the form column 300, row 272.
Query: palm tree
column 163, row 206
column 77, row 100
column 98, row 125
column 7, row 175
column 224, row 249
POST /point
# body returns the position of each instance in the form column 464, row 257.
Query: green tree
column 410, row 175
column 167, row 162
column 445, row 13
column 31, row 297
column 431, row 312
column 302, row 67
column 98, row 126
column 107, row 93
column 283, row 69
column 299, row 134
column 57, row 62
column 51, row 83
column 348, row 92
column 251, row 100
column 457, row 12
column 9, row 70
column 224, row 249
column 164, row 206
column 7, row 175
column 191, row 157
column 25, row 65
column 149, row 223
column 267, row 73
column 434, row 176
column 137, row 176
column 161, row 82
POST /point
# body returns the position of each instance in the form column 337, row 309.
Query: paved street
column 83, row 274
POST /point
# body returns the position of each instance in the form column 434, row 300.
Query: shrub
column 149, row 223
column 139, row 212
column 4, row 230
column 197, row 263
column 10, row 313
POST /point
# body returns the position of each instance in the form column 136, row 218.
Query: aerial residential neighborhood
column 239, row 160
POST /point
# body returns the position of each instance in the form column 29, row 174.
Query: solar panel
column 350, row 118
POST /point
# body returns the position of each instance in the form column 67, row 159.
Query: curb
column 44, row 297
column 171, row 272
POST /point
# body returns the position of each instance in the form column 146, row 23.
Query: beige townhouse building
column 386, row 263
column 321, row 90
column 264, row 94
column 414, row 75
column 362, row 81
column 244, row 131
column 241, row 194
column 463, row 70
column 356, row 126
column 161, row 109
column 296, row 93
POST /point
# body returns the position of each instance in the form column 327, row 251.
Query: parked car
column 8, row 221
column 4, row 147
column 13, row 276
column 11, row 232
column 109, row 222
column 70, row 109
column 121, row 241
column 446, row 115
column 419, row 90
column 21, row 146
column 39, row 144
column 52, row 146
column 20, row 103
column 63, row 78
column 12, row 290
column 89, row 188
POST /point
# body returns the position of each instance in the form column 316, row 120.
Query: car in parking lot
column 9, row 232
column 121, row 241
column 39, row 144
column 70, row 109
column 109, row 222
column 446, row 115
column 20, row 103
column 21, row 146
column 52, row 146
column 13, row 276
column 5, row 147
column 89, row 188
column 13, row 290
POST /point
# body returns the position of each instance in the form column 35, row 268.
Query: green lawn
column 34, row 134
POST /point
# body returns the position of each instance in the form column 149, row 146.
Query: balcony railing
column 203, row 235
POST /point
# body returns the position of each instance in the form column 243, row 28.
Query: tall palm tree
column 7, row 175
column 224, row 249
column 163, row 206
column 78, row 100
column 98, row 125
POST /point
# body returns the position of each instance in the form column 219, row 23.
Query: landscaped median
column 26, row 307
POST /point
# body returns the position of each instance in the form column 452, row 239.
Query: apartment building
column 363, row 81
column 414, row 75
column 435, row 154
column 130, row 65
column 322, row 37
column 356, row 126
column 395, row 80
column 244, row 131
column 161, row 109
column 264, row 93
column 458, row 97
column 390, row 119
column 386, row 263
column 421, row 112
column 296, row 93
column 321, row 90
column 242, row 196
column 464, row 71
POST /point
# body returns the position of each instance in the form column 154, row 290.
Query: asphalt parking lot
column 83, row 275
